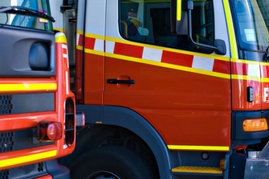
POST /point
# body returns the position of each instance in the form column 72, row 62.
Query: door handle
column 116, row 81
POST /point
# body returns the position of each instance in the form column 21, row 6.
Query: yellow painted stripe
column 95, row 36
column 59, row 29
column 264, row 63
column 244, row 77
column 198, row 147
column 247, row 62
column 27, row 87
column 80, row 32
column 95, row 52
column 233, row 44
column 28, row 158
column 79, row 47
column 264, row 80
column 197, row 169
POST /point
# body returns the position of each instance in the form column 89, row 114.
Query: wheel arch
column 132, row 121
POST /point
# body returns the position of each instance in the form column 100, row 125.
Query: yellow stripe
column 27, row 158
column 264, row 63
column 198, row 147
column 95, row 36
column 94, row 52
column 59, row 29
column 246, row 61
column 244, row 77
column 264, row 80
column 197, row 169
column 80, row 32
column 28, row 87
column 230, row 29
column 79, row 47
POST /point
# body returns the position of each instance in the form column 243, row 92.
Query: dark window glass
column 149, row 22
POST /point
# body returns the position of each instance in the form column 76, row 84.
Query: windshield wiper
column 25, row 11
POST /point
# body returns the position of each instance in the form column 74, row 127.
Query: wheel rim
column 103, row 175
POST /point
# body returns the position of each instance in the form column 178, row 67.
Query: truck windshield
column 250, row 24
column 33, row 14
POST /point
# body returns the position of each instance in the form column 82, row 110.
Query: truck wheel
column 110, row 162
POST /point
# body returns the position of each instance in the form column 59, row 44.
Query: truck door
column 181, row 89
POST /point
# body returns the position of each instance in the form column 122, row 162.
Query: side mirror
column 221, row 47
column 181, row 24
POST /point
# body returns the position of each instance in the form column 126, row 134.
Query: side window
column 149, row 22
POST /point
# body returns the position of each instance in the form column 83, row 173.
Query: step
column 197, row 170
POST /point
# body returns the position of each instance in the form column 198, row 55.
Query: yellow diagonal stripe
column 198, row 147
column 28, row 158
column 27, row 87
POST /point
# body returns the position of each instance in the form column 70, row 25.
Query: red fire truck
column 170, row 88
column 37, row 107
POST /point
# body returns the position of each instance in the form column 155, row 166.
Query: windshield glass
column 26, row 13
column 249, row 16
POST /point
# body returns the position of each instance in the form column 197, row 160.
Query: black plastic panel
column 21, row 49
column 237, row 125
column 25, row 103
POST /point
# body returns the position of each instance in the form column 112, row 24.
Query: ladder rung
column 198, row 170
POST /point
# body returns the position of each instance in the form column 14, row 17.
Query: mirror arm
column 190, row 34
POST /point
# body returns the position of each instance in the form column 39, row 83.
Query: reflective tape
column 198, row 147
column 27, row 158
column 28, row 87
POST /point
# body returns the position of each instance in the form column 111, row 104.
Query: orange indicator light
column 251, row 125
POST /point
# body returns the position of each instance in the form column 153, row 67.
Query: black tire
column 110, row 162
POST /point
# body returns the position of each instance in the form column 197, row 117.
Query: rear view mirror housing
column 179, row 19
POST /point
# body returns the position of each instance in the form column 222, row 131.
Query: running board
column 196, row 170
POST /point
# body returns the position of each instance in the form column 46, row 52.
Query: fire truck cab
column 170, row 88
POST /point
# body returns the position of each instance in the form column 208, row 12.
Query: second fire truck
column 37, row 107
